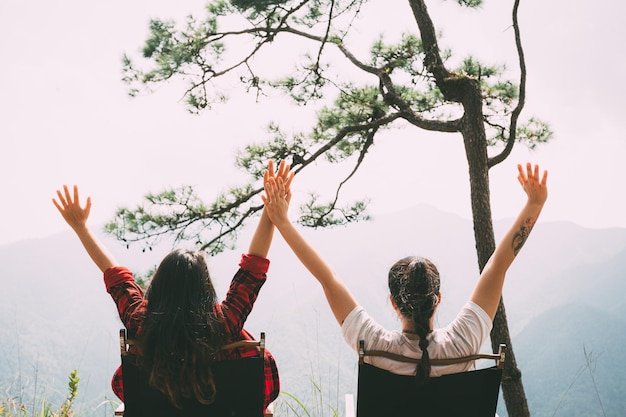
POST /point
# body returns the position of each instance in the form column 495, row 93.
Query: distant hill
column 572, row 359
column 55, row 314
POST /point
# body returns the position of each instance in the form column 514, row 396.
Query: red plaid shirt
column 235, row 309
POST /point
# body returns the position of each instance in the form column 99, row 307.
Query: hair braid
column 414, row 285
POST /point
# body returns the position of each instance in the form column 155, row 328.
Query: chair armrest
column 119, row 411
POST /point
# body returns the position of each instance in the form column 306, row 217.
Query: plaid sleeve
column 272, row 381
column 128, row 296
column 243, row 292
column 238, row 304
column 117, row 383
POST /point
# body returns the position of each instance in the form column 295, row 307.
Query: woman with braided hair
column 414, row 291
column 414, row 287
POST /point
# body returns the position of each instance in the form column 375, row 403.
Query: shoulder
column 474, row 312
column 359, row 325
column 117, row 275
column 355, row 319
column 467, row 332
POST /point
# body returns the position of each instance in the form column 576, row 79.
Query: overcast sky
column 65, row 117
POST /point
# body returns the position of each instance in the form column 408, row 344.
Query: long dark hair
column 181, row 334
column 414, row 285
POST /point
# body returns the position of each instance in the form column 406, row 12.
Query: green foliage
column 317, row 215
column 226, row 47
column 66, row 408
column 534, row 132
column 476, row 69
column 257, row 5
column 143, row 279
column 175, row 52
column 289, row 405
column 14, row 407
column 254, row 157
column 355, row 106
column 407, row 55
column 179, row 215
column 470, row 3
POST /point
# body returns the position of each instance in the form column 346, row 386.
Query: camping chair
column 472, row 393
column 240, row 387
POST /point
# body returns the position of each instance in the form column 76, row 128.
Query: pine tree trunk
column 512, row 387
column 467, row 92
column 473, row 132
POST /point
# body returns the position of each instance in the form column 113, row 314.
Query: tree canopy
column 235, row 45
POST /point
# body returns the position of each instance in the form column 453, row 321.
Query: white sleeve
column 351, row 327
column 358, row 325
column 470, row 329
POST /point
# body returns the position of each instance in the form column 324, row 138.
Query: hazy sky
column 66, row 117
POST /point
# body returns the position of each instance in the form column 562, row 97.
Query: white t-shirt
column 463, row 337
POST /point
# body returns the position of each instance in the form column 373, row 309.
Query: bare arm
column 276, row 201
column 262, row 238
column 76, row 217
column 489, row 287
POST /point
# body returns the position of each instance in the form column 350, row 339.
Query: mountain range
column 563, row 296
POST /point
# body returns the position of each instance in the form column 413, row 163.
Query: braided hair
column 414, row 285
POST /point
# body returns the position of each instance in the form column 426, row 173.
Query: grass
column 288, row 404
column 15, row 407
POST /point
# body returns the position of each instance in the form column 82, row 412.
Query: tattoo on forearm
column 522, row 234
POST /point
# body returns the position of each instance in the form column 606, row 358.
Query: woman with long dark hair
column 179, row 323
column 414, row 291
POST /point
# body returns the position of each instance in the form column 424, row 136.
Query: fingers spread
column 76, row 199
column 68, row 196
column 529, row 171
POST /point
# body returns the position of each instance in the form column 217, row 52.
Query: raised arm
column 262, row 238
column 76, row 217
column 276, row 201
column 489, row 287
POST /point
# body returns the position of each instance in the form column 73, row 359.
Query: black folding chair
column 465, row 394
column 240, row 387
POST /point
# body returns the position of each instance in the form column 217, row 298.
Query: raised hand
column 536, row 189
column 76, row 216
column 283, row 172
column 262, row 238
column 69, row 206
column 276, row 200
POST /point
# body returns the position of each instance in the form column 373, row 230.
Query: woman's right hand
column 70, row 208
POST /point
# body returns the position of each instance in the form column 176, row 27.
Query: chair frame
column 386, row 393
column 126, row 343
column 499, row 357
